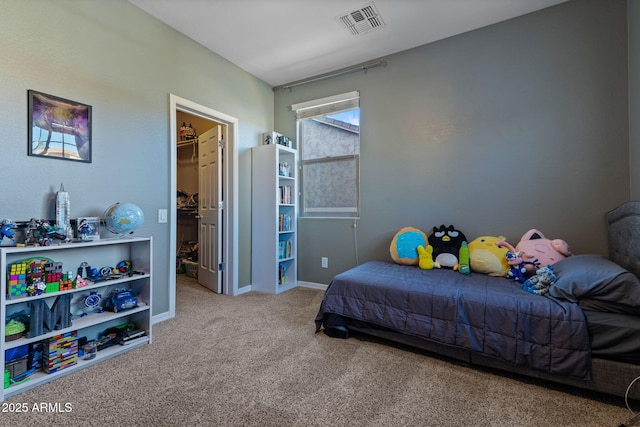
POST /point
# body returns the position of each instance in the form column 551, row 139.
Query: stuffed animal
column 404, row 246
column 426, row 259
column 464, row 259
column 538, row 251
column 446, row 243
column 487, row 257
column 541, row 282
column 425, row 255
column 517, row 270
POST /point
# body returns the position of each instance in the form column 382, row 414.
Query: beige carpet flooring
column 254, row 360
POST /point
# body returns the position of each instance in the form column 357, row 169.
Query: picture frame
column 58, row 128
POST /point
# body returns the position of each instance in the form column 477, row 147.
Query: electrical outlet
column 325, row 262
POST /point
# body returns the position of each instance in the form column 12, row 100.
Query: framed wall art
column 59, row 128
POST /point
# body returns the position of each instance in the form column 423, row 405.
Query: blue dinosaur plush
column 541, row 282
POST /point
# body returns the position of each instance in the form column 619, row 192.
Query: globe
column 123, row 218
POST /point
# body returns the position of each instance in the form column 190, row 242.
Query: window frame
column 320, row 108
column 331, row 212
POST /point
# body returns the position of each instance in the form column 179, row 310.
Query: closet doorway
column 200, row 199
column 187, row 225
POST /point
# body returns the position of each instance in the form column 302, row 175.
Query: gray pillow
column 597, row 284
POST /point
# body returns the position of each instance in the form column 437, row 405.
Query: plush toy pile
column 530, row 262
column 445, row 247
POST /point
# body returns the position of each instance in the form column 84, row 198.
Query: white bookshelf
column 274, row 218
column 98, row 254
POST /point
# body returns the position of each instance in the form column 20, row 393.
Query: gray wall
column 124, row 63
column 519, row 125
column 523, row 124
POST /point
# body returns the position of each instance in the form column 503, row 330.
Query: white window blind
column 328, row 105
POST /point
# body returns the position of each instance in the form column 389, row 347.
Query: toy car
column 119, row 300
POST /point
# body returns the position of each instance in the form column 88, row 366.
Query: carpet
column 254, row 360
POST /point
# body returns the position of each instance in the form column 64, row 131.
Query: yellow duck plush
column 487, row 257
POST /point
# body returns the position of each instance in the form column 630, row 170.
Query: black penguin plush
column 446, row 242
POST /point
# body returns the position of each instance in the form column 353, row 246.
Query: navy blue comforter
column 484, row 314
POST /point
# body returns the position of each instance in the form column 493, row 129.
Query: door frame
column 229, row 188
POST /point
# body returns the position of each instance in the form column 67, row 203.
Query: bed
column 585, row 332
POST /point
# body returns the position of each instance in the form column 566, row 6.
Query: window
column 329, row 142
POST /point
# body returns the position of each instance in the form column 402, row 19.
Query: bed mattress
column 614, row 336
column 488, row 315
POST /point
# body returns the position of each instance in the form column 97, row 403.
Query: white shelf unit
column 98, row 254
column 274, row 218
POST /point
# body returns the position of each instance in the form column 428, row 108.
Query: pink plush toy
column 537, row 251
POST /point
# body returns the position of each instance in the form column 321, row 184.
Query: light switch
column 162, row 216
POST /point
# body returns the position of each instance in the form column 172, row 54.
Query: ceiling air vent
column 362, row 20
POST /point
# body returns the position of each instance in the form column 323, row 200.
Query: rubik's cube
column 52, row 276
column 52, row 281
column 17, row 279
column 66, row 285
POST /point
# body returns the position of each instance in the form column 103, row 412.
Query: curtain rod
column 341, row 72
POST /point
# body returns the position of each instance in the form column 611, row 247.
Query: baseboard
column 312, row 285
column 243, row 290
column 161, row 317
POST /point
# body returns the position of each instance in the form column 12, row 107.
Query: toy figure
column 6, row 230
column 41, row 232
column 83, row 229
column 52, row 232
column 517, row 269
column 31, row 235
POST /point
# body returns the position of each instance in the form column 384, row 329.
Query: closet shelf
column 187, row 143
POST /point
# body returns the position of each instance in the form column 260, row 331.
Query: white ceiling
column 282, row 41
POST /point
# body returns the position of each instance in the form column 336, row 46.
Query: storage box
column 16, row 353
column 17, row 367
column 190, row 268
